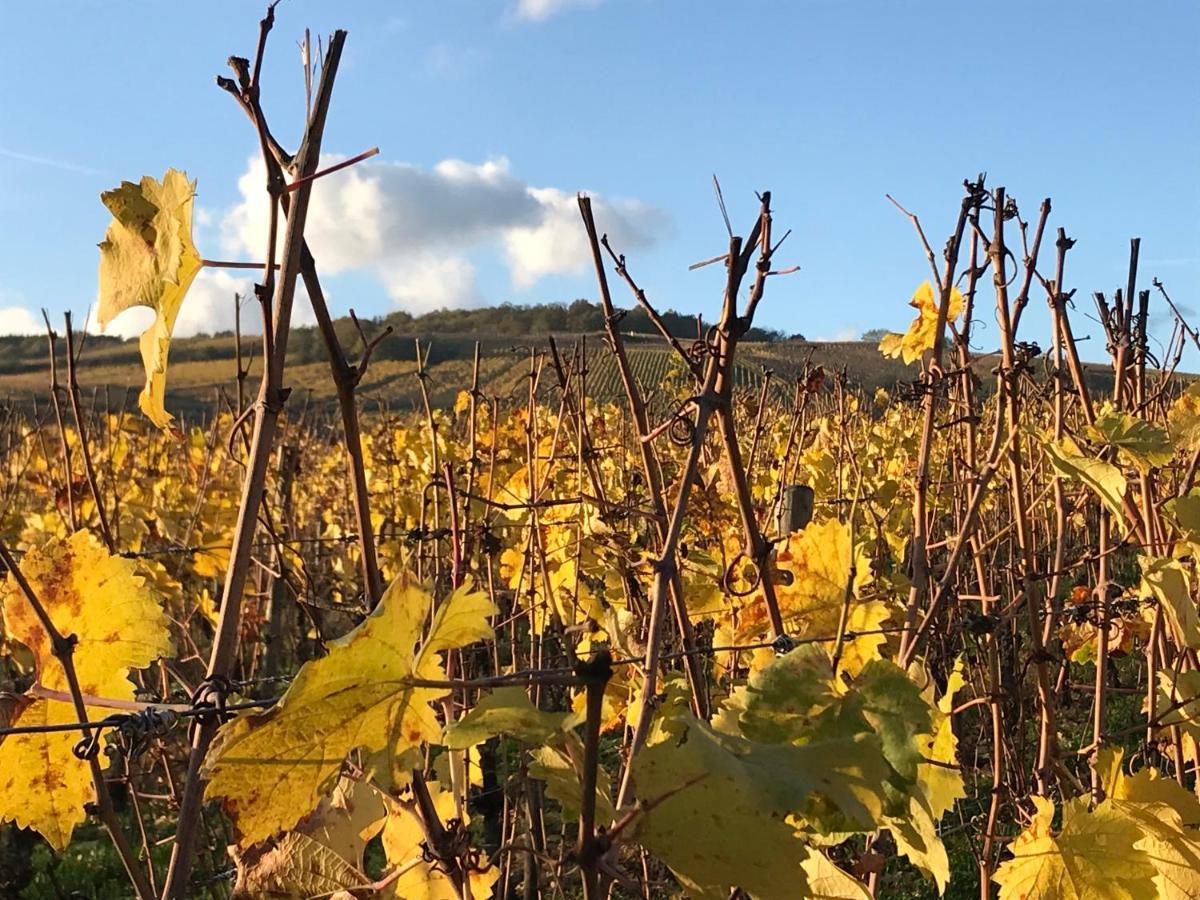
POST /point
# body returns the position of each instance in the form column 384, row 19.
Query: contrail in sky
column 45, row 161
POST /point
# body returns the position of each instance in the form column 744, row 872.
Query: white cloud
column 20, row 320
column 558, row 244
column 209, row 304
column 413, row 228
column 537, row 10
column 432, row 282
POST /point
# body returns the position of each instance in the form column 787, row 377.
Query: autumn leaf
column 296, row 866
column 505, row 711
column 1166, row 814
column 701, row 785
column 1102, row 477
column 827, row 882
column 1093, row 857
column 1183, row 418
column 1168, row 582
column 147, row 258
column 323, row 854
column 921, row 334
column 118, row 625
column 1186, row 512
column 560, row 765
column 814, row 567
column 270, row 770
column 1138, row 442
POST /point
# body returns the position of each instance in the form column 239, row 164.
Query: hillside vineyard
column 709, row 612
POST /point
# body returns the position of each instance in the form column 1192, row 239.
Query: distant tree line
column 456, row 331
column 579, row 317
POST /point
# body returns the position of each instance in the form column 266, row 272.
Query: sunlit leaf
column 921, row 334
column 1093, row 857
column 270, row 770
column 1136, row 440
column 1168, row 582
column 147, row 258
column 119, row 625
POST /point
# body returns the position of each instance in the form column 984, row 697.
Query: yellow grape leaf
column 1180, row 697
column 941, row 785
column 702, row 788
column 827, row 882
column 1186, row 512
column 1102, row 477
column 1092, row 858
column 119, row 626
column 1167, row 580
column 922, row 332
column 1136, row 440
column 1183, row 418
column 1167, row 816
column 867, row 621
column 346, row 820
column 323, row 854
column 147, row 258
column 403, row 837
column 505, row 710
column 937, row 786
column 272, row 769
column 814, row 566
column 917, row 838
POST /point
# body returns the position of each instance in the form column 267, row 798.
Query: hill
column 203, row 368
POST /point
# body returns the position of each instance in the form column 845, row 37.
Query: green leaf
column 1102, row 477
column 505, row 711
column 1136, row 440
column 893, row 705
column 780, row 701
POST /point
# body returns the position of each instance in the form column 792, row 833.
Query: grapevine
column 558, row 638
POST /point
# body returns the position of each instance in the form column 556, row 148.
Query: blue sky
column 491, row 115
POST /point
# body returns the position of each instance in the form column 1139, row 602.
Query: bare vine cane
column 56, row 389
column 707, row 404
column 973, row 197
column 63, row 648
column 346, row 376
column 729, row 331
column 652, row 470
column 85, row 451
column 1030, row 584
column 268, row 406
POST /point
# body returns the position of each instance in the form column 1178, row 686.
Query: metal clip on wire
column 209, row 701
